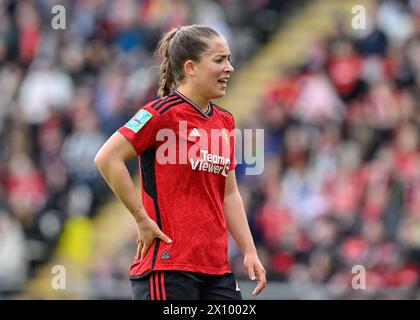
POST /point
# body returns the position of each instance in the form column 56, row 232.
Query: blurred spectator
column 13, row 255
column 43, row 90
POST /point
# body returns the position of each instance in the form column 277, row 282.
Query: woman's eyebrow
column 223, row 55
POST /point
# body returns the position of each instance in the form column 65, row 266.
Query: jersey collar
column 207, row 114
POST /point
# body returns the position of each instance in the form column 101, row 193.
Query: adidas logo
column 194, row 133
column 165, row 255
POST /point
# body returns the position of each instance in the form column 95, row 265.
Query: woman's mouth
column 223, row 82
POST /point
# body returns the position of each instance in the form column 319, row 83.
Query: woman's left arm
column 239, row 229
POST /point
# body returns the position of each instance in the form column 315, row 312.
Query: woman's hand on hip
column 147, row 231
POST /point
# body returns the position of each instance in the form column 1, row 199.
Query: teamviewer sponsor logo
column 211, row 163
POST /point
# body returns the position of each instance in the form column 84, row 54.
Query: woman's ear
column 189, row 68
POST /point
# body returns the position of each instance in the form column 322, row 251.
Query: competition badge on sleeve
column 138, row 121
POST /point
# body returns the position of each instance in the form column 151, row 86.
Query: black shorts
column 183, row 285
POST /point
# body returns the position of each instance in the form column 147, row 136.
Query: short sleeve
column 142, row 128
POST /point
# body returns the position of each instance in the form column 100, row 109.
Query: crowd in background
column 337, row 207
column 63, row 92
column 341, row 185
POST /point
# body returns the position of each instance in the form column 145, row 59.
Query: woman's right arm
column 110, row 161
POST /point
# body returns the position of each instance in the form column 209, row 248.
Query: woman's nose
column 229, row 67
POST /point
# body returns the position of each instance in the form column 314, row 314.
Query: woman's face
column 212, row 72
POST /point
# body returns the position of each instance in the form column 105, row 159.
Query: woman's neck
column 201, row 102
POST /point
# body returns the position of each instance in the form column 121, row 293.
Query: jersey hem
column 180, row 267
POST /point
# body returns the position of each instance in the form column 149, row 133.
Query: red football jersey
column 185, row 156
